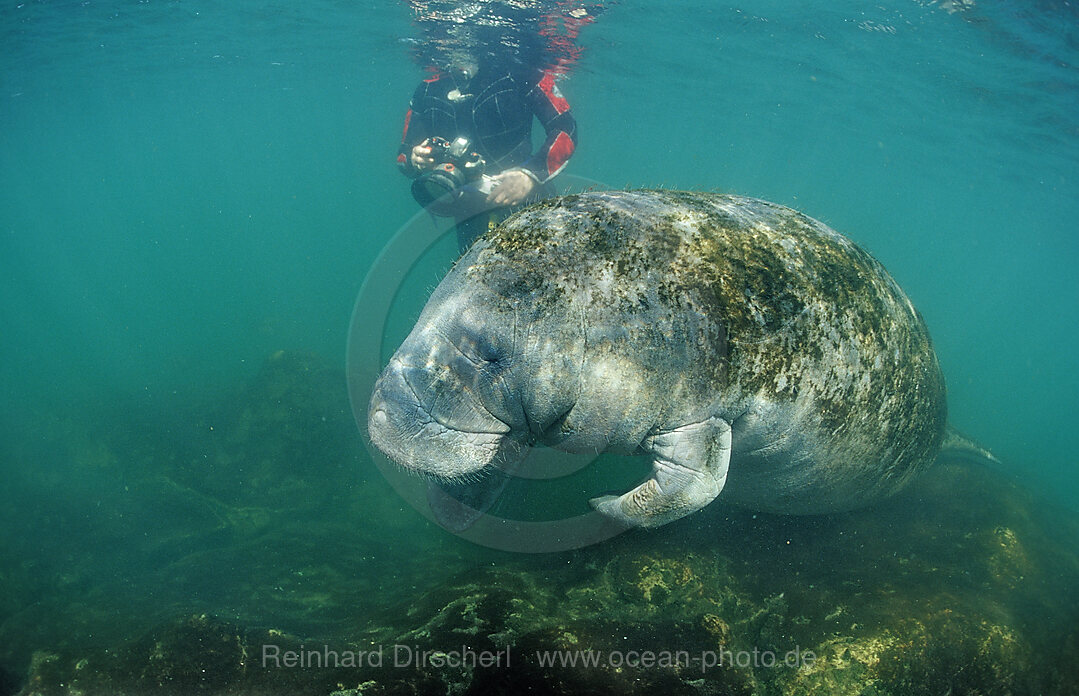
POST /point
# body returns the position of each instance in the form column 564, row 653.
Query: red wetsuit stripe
column 559, row 103
column 408, row 119
column 560, row 151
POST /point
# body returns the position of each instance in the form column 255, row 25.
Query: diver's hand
column 422, row 157
column 510, row 187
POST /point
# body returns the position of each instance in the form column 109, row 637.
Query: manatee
column 753, row 353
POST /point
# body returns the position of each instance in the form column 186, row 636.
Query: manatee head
column 476, row 381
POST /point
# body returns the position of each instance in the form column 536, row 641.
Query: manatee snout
column 430, row 410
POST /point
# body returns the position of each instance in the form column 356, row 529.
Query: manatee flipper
column 956, row 445
column 457, row 506
column 689, row 468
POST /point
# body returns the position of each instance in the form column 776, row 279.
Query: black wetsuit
column 494, row 110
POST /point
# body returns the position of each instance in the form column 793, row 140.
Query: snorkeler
column 467, row 140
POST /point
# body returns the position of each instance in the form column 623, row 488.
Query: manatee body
column 748, row 349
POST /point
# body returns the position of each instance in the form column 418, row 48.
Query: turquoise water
column 187, row 188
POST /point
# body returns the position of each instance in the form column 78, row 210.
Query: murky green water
column 189, row 188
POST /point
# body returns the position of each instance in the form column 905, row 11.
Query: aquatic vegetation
column 961, row 583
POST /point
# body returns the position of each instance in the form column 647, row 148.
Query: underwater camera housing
column 458, row 172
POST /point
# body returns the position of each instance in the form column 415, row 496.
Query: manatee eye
column 487, row 351
column 481, row 350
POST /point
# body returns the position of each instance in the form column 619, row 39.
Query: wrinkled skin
column 746, row 348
